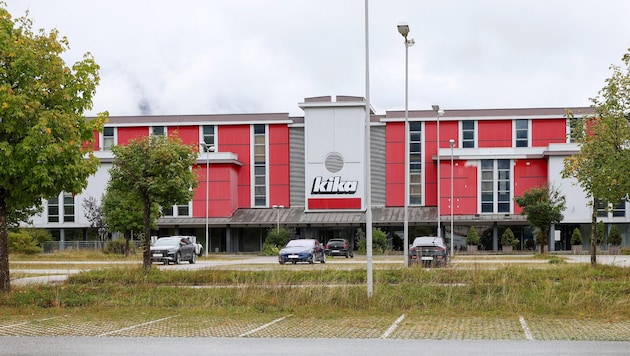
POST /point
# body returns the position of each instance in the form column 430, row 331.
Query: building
column 308, row 174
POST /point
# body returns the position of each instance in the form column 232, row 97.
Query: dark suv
column 429, row 250
column 339, row 247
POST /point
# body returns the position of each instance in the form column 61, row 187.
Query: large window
column 521, row 132
column 260, row 166
column 495, row 186
column 468, row 134
column 415, row 163
column 61, row 210
column 68, row 207
column 158, row 130
column 108, row 138
column 53, row 209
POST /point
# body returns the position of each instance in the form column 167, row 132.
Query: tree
column 576, row 237
column 542, row 206
column 123, row 212
column 94, row 214
column 472, row 238
column 275, row 240
column 614, row 237
column 508, row 239
column 601, row 167
column 45, row 139
column 153, row 170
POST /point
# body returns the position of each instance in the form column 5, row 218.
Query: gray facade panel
column 297, row 166
column 377, row 164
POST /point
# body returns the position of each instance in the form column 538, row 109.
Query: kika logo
column 333, row 185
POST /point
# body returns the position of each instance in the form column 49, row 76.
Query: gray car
column 173, row 249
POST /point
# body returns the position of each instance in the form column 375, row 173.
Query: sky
column 182, row 57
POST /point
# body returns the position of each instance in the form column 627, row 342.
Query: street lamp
column 403, row 29
column 451, row 142
column 439, row 113
column 278, row 207
column 207, row 149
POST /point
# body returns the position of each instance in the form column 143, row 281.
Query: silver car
column 173, row 249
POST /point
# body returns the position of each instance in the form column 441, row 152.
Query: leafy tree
column 576, row 237
column 600, row 232
column 614, row 237
column 379, row 241
column 123, row 212
column 45, row 139
column 601, row 167
column 275, row 240
column 542, row 206
column 153, row 170
column 472, row 238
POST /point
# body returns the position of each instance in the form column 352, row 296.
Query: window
column 495, row 186
column 521, row 133
column 620, row 209
column 167, row 210
column 53, row 209
column 415, row 163
column 602, row 209
column 68, row 207
column 468, row 134
column 208, row 135
column 158, row 131
column 108, row 138
column 572, row 128
column 260, row 166
column 183, row 210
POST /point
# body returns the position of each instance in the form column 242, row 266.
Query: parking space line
column 393, row 327
column 12, row 325
column 264, row 326
column 135, row 326
column 528, row 334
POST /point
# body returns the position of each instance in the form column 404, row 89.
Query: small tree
column 379, row 241
column 154, row 170
column 576, row 237
column 472, row 239
column 542, row 206
column 508, row 239
column 614, row 237
column 275, row 240
column 94, row 214
column 600, row 232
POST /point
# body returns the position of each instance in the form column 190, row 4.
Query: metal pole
column 452, row 143
column 439, row 113
column 207, row 149
column 368, row 183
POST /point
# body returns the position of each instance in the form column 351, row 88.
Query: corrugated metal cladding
column 297, row 171
column 377, row 164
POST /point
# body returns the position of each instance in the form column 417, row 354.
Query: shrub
column 379, row 243
column 508, row 239
column 22, row 242
column 599, row 232
column 472, row 239
column 116, row 247
column 614, row 238
column 625, row 251
column 576, row 237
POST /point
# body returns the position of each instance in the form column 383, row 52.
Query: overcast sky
column 244, row 56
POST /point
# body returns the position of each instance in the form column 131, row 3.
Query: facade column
column 228, row 239
column 62, row 239
column 551, row 239
column 495, row 236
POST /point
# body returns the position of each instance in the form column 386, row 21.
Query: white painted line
column 528, row 334
column 393, row 327
column 12, row 325
column 264, row 326
column 135, row 326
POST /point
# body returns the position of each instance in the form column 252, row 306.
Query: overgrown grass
column 576, row 291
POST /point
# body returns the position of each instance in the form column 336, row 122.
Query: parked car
column 339, row 247
column 429, row 250
column 302, row 250
column 173, row 249
column 193, row 239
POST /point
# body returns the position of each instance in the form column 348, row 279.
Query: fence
column 53, row 246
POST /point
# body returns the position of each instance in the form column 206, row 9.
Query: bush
column 576, row 237
column 614, row 238
column 472, row 239
column 117, row 247
column 599, row 232
column 508, row 239
column 22, row 242
column 379, row 243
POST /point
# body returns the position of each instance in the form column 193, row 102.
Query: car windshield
column 428, row 241
column 166, row 242
column 300, row 243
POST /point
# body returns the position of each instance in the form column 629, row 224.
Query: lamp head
column 403, row 29
column 451, row 142
column 436, row 108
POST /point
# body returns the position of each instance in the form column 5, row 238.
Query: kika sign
column 333, row 185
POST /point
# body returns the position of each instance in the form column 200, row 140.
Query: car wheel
column 294, row 262
column 193, row 258
column 281, row 262
column 323, row 260
column 178, row 258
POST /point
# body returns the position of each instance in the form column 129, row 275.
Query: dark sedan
column 173, row 249
column 339, row 247
column 428, row 250
column 302, row 250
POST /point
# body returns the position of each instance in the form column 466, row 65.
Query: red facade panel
column 464, row 188
column 394, row 164
column 236, row 139
column 334, row 203
column 548, row 131
column 279, row 188
column 127, row 133
column 188, row 134
column 528, row 174
column 222, row 193
column 494, row 133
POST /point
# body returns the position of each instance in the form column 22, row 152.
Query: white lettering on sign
column 333, row 185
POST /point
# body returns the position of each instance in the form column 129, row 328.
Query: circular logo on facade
column 334, row 162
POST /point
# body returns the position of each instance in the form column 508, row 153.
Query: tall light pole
column 439, row 113
column 207, row 149
column 451, row 142
column 367, row 157
column 403, row 29
column 277, row 208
